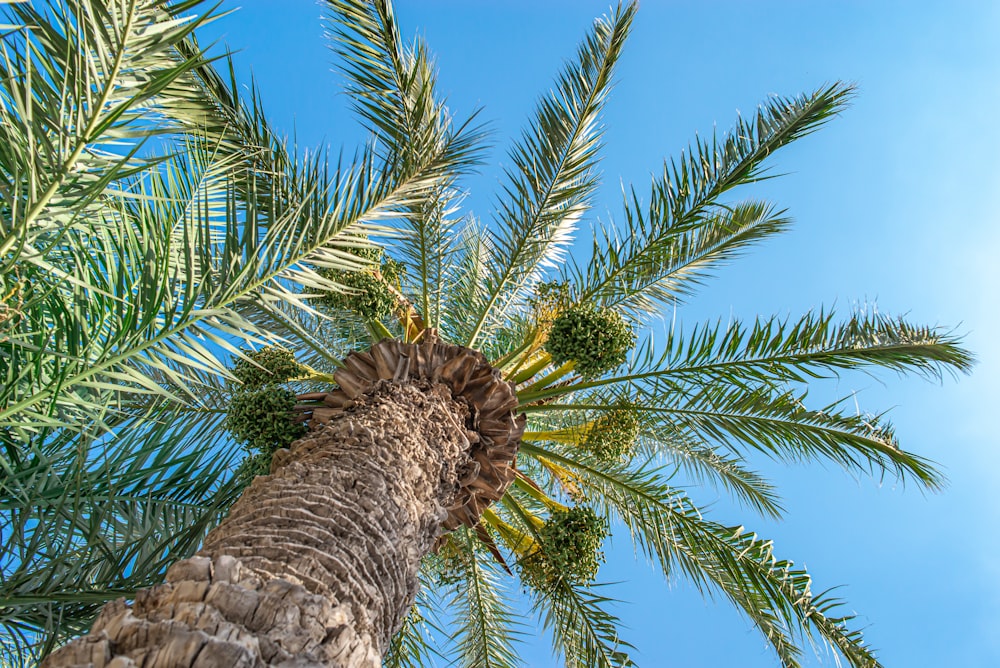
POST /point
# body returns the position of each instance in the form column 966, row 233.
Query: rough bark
column 317, row 563
column 492, row 404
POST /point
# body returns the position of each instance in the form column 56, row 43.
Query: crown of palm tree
column 152, row 221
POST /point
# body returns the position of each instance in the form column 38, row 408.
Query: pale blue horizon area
column 895, row 203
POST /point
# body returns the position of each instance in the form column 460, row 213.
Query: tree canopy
column 156, row 230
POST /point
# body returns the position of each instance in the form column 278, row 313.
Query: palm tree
column 144, row 206
column 499, row 417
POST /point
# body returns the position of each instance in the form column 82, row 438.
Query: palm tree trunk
column 316, row 564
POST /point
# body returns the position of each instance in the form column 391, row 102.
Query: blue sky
column 895, row 203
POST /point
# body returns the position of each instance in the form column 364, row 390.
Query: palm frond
column 721, row 234
column 669, row 243
column 85, row 521
column 778, row 424
column 467, row 283
column 781, row 350
column 412, row 646
column 733, row 386
column 173, row 308
column 667, row 527
column 549, row 186
column 704, row 463
column 80, row 89
column 657, row 440
column 584, row 632
column 486, row 627
column 320, row 341
column 393, row 88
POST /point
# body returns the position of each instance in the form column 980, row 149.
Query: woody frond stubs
column 496, row 429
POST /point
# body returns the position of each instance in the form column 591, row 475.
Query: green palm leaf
column 412, row 646
column 549, row 186
column 486, row 626
column 732, row 387
column 583, row 631
column 657, row 440
column 393, row 88
column 585, row 634
column 87, row 520
column 669, row 242
column 667, row 527
column 779, row 424
column 814, row 346
column 703, row 463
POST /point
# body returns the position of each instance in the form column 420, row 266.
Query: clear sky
column 895, row 202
